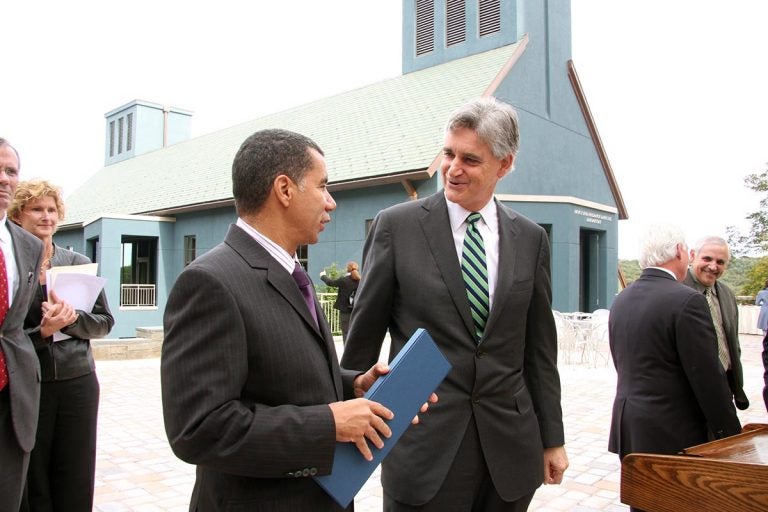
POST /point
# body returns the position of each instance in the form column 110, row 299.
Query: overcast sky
column 677, row 88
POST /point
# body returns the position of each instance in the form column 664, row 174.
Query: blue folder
column 413, row 375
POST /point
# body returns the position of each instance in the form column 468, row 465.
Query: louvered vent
column 425, row 26
column 456, row 22
column 490, row 17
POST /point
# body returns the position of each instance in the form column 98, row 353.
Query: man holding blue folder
column 476, row 275
column 252, row 390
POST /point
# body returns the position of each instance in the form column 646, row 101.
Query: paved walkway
column 136, row 470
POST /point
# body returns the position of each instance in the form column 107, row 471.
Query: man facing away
column 497, row 432
column 665, row 352
column 709, row 260
column 251, row 387
column 19, row 366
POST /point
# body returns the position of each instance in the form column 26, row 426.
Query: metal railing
column 137, row 295
column 332, row 314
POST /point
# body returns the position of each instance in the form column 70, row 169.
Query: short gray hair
column 658, row 244
column 712, row 240
column 495, row 122
column 4, row 142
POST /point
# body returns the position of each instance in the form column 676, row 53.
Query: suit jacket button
column 479, row 354
column 305, row 472
column 312, row 471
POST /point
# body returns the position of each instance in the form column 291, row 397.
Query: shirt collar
column 458, row 214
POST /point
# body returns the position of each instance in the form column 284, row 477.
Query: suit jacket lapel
column 255, row 255
column 24, row 254
column 508, row 248
column 436, row 226
column 725, row 312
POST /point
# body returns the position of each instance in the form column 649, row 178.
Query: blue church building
column 163, row 199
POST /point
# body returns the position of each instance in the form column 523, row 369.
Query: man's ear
column 283, row 188
column 507, row 165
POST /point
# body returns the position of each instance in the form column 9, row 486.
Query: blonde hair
column 35, row 189
column 352, row 269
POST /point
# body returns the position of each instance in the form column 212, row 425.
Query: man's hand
column 364, row 382
column 359, row 419
column 555, row 464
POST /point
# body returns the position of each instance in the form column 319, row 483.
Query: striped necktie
column 475, row 273
column 717, row 320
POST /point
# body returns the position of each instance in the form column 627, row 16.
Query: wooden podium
column 727, row 475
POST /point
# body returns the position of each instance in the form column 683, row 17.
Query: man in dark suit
column 497, row 432
column 709, row 260
column 251, row 387
column 19, row 366
column 664, row 348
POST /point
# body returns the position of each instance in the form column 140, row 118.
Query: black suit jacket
column 664, row 347
column 246, row 379
column 346, row 286
column 508, row 384
column 729, row 311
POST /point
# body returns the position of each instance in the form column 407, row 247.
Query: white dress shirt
column 287, row 261
column 489, row 230
column 12, row 272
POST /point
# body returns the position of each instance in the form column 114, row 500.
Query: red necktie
column 3, row 311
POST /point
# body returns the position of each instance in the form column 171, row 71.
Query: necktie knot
column 473, row 217
column 300, row 276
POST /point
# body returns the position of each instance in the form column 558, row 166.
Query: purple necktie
column 305, row 287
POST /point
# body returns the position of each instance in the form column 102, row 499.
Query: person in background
column 347, row 287
column 63, row 462
column 709, row 260
column 762, row 301
column 20, row 257
column 664, row 349
column 476, row 275
column 762, row 323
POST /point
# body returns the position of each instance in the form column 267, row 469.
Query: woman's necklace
column 46, row 265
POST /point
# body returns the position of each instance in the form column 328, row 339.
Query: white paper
column 76, row 284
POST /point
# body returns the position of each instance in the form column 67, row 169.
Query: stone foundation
column 145, row 345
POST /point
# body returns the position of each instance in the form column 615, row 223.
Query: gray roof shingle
column 385, row 128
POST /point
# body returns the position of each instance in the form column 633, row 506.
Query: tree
column 756, row 277
column 757, row 239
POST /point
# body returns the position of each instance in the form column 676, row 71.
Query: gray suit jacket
column 664, row 348
column 20, row 356
column 246, row 378
column 730, row 312
column 508, row 384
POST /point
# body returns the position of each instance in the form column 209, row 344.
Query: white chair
column 598, row 339
column 566, row 338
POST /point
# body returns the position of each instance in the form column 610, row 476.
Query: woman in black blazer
column 63, row 462
column 347, row 286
